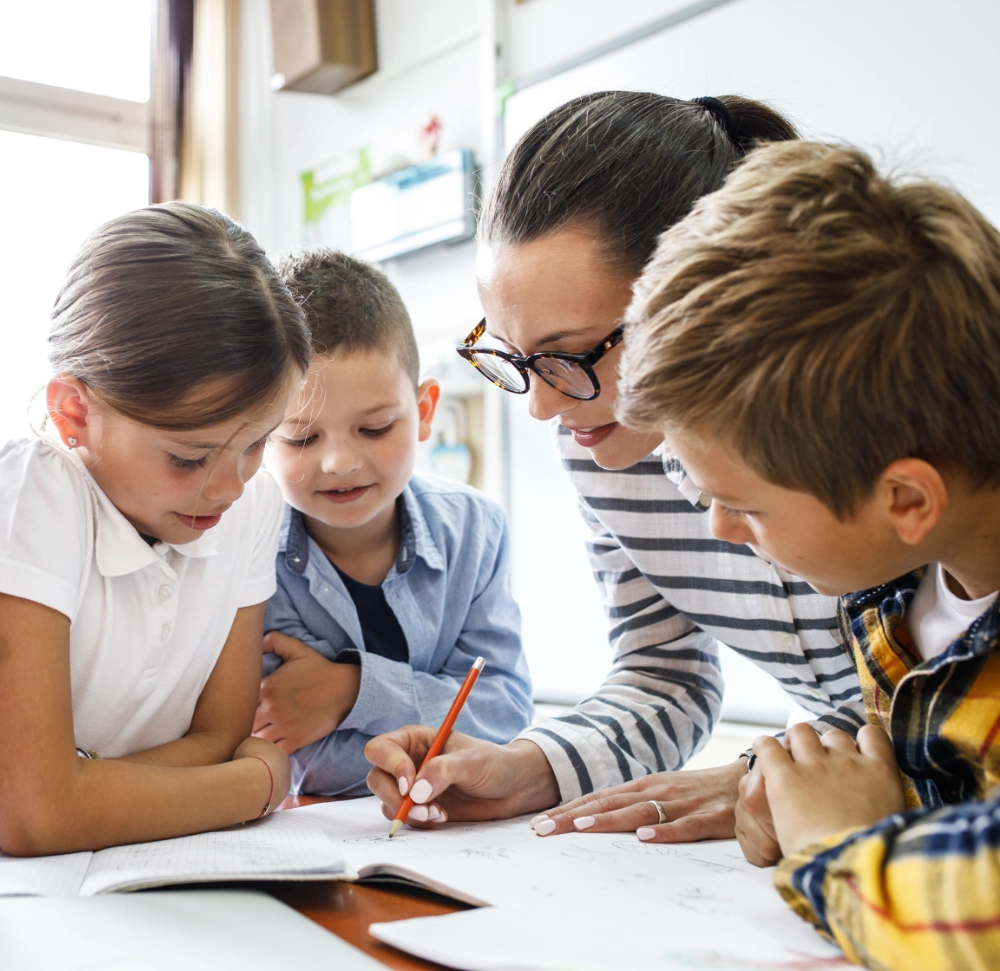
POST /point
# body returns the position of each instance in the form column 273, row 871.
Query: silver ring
column 661, row 816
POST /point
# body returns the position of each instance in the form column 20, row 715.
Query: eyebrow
column 212, row 446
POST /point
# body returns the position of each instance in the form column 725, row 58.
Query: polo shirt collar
column 417, row 540
column 118, row 547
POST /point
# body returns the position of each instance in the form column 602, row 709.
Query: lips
column 345, row 495
column 592, row 437
column 199, row 522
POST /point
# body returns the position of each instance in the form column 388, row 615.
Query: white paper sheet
column 176, row 930
column 52, row 876
column 362, row 832
column 561, row 937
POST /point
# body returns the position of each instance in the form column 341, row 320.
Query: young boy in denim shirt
column 390, row 584
column 821, row 346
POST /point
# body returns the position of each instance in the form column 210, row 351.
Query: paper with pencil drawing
column 587, row 901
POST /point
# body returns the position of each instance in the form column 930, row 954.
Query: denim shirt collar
column 416, row 539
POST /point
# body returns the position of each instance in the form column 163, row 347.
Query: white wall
column 917, row 77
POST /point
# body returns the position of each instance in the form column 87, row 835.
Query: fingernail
column 433, row 814
column 645, row 832
column 418, row 814
column 421, row 791
column 443, row 815
column 403, row 785
column 545, row 827
column 540, row 818
column 584, row 822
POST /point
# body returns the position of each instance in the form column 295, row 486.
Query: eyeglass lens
column 565, row 376
column 502, row 371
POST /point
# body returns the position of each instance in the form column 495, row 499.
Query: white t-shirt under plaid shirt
column 672, row 592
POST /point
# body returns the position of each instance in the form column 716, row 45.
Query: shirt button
column 787, row 640
column 164, row 593
column 164, row 632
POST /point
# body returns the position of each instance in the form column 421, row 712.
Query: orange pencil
column 442, row 736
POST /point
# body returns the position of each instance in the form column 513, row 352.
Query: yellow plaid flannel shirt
column 920, row 889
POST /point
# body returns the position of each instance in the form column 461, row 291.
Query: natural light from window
column 101, row 46
column 53, row 194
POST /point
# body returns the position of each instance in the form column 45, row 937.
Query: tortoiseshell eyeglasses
column 572, row 374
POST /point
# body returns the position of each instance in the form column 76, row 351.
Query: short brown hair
column 350, row 305
column 159, row 301
column 824, row 320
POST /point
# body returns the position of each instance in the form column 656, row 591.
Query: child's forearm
column 908, row 892
column 111, row 802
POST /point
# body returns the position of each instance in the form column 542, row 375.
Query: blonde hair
column 165, row 298
column 824, row 320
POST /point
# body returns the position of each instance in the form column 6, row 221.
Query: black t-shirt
column 379, row 625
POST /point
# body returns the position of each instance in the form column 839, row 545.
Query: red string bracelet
column 267, row 808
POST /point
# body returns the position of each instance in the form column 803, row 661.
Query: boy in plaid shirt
column 820, row 345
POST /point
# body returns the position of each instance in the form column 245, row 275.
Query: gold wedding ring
column 661, row 816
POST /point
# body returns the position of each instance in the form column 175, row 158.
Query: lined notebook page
column 245, row 852
column 49, row 876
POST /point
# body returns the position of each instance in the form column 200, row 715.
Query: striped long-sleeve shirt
column 672, row 592
column 919, row 889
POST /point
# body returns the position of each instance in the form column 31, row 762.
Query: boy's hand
column 754, row 825
column 825, row 785
column 306, row 698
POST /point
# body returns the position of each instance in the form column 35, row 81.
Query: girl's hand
column 698, row 804
column 823, row 785
column 277, row 761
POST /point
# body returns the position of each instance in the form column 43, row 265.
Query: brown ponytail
column 165, row 298
column 630, row 164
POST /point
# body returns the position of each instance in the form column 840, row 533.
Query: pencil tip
column 395, row 827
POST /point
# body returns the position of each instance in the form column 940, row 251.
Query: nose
column 544, row 402
column 728, row 526
column 340, row 458
column 225, row 483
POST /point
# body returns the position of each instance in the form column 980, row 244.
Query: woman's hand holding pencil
column 470, row 780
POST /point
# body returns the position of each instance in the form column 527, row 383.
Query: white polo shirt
column 147, row 624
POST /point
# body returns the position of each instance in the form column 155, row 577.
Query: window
column 74, row 144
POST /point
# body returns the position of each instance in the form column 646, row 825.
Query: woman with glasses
column 575, row 213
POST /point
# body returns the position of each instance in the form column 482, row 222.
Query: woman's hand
column 306, row 698
column 699, row 805
column 277, row 762
column 471, row 779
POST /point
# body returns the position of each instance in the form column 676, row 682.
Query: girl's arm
column 224, row 714
column 52, row 801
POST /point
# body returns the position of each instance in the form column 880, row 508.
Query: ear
column 70, row 408
column 916, row 496
column 428, row 395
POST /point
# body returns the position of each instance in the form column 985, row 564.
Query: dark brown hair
column 627, row 163
column 824, row 320
column 165, row 298
column 350, row 305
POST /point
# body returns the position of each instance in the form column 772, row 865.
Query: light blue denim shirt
column 450, row 591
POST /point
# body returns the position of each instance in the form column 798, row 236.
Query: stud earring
column 72, row 441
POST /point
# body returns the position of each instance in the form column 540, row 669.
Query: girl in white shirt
column 136, row 549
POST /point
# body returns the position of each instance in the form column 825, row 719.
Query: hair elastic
column 720, row 112
column 267, row 807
